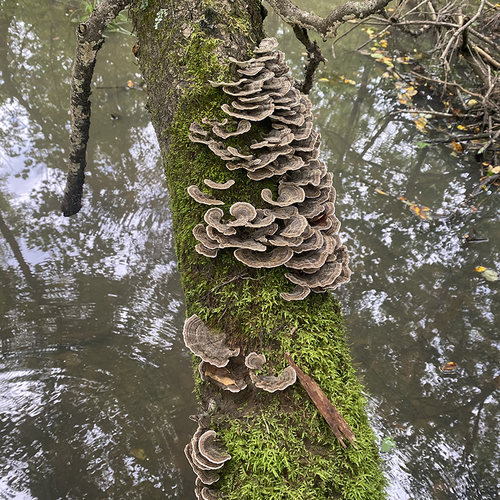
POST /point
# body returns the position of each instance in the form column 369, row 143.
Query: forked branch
column 326, row 26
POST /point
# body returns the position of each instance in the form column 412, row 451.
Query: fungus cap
column 207, row 344
column 255, row 361
column 205, row 476
column 243, row 213
column 213, row 218
column 200, row 233
column 298, row 293
column 242, row 127
column 274, row 258
column 313, row 259
column 222, row 377
column 211, row 449
column 287, row 195
column 219, row 185
column 206, row 251
column 270, row 383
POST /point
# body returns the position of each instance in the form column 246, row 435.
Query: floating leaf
column 323, row 80
column 130, row 84
column 388, row 444
column 461, row 127
column 422, row 144
column 379, row 191
column 472, row 102
column 383, row 43
column 457, row 146
column 421, row 123
column 449, row 367
column 490, row 275
column 138, row 453
column 420, row 211
column 350, row 82
column 479, row 269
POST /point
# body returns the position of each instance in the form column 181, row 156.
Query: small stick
column 332, row 416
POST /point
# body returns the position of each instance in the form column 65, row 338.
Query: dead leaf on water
column 490, row 275
column 450, row 366
column 421, row 211
column 138, row 453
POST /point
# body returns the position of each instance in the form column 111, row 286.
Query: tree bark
column 90, row 37
column 281, row 447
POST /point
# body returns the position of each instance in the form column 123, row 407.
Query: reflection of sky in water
column 92, row 366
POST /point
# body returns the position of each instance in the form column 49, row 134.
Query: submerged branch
column 89, row 40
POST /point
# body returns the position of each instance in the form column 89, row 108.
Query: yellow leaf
column 449, row 367
column 494, row 170
column 479, row 269
column 323, row 80
column 130, row 84
column 421, row 123
column 383, row 43
column 419, row 211
column 456, row 146
column 379, row 191
column 350, row 82
column 461, row 127
column 472, row 102
column 386, row 74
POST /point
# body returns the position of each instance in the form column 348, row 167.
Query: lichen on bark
column 280, row 444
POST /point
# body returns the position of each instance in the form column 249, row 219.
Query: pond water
column 95, row 382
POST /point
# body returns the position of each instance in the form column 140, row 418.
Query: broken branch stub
column 90, row 39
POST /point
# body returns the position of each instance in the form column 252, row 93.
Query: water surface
column 95, row 383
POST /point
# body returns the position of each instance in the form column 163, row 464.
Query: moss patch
column 281, row 446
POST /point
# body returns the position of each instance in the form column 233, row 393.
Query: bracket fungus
column 201, row 197
column 206, row 456
column 226, row 379
column 270, row 383
column 255, row 361
column 299, row 228
column 208, row 345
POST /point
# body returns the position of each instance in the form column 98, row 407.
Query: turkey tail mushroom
column 298, row 228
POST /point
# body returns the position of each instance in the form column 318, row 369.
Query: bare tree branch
column 314, row 58
column 293, row 15
column 90, row 38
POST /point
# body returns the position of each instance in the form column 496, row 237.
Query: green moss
column 281, row 446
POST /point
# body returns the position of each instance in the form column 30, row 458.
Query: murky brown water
column 95, row 383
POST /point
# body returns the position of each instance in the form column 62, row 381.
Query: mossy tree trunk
column 280, row 444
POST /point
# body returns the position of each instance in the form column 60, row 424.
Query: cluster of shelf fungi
column 227, row 369
column 297, row 229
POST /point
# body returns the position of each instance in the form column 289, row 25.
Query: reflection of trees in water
column 417, row 301
column 88, row 304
